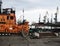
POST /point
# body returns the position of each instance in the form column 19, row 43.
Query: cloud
column 28, row 4
column 31, row 1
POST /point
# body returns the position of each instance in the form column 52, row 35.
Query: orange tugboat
column 8, row 23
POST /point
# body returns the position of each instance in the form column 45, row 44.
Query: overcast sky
column 32, row 8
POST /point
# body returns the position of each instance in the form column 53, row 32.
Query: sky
column 33, row 8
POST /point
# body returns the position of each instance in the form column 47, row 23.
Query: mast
column 51, row 17
column 45, row 17
column 23, row 15
column 0, row 5
column 51, row 20
column 56, row 15
column 47, row 20
column 39, row 17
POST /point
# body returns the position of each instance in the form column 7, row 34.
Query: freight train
column 8, row 23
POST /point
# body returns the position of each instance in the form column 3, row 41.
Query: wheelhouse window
column 2, row 22
column 9, row 17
